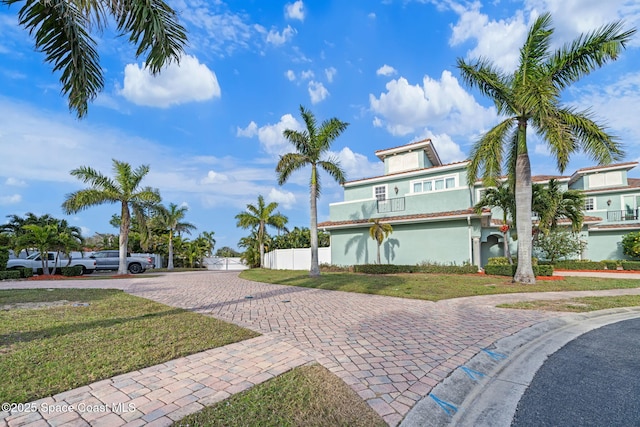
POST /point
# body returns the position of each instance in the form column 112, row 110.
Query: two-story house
column 430, row 207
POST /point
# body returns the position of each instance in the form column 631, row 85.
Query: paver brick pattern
column 391, row 351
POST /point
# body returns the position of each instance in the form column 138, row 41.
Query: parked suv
column 110, row 260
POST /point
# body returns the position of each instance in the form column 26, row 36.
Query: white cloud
column 10, row 200
column 176, row 84
column 279, row 38
column 289, row 74
column 542, row 149
column 15, row 182
column 386, row 70
column 306, row 75
column 447, row 149
column 248, row 132
column 214, row 178
column 330, row 73
column 270, row 136
column 286, row 199
column 439, row 104
column 377, row 122
column 317, row 92
column 371, row 15
column 356, row 165
column 295, row 10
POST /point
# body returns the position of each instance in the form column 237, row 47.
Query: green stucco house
column 429, row 205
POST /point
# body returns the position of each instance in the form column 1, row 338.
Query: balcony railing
column 626, row 215
column 391, row 205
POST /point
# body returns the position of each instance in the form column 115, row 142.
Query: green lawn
column 48, row 350
column 432, row 287
column 578, row 305
column 306, row 396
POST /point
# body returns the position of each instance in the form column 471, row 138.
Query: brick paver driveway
column 391, row 351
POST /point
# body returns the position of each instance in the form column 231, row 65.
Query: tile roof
column 542, row 178
column 405, row 145
column 407, row 171
column 469, row 211
column 616, row 226
column 590, row 168
column 585, row 220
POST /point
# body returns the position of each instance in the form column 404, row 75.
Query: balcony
column 390, row 205
column 625, row 215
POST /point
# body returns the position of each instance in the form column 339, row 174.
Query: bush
column 631, row 265
column 383, row 268
column 499, row 260
column 4, row 257
column 510, row 270
column 9, row 275
column 334, row 268
column 631, row 244
column 579, row 265
column 436, row 268
column 431, row 268
column 611, row 264
column 25, row 272
column 71, row 271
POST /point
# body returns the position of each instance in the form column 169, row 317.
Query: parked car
column 110, row 260
column 34, row 261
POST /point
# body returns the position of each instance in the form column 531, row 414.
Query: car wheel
column 84, row 271
column 135, row 268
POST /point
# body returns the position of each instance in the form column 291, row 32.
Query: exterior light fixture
column 396, row 189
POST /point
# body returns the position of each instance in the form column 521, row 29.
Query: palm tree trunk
column 314, row 271
column 124, row 238
column 378, row 253
column 507, row 253
column 170, row 262
column 261, row 255
column 261, row 239
column 524, row 271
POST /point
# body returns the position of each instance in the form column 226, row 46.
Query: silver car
column 110, row 260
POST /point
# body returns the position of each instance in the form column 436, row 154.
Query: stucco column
column 476, row 251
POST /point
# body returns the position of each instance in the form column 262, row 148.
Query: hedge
column 611, row 264
column 580, row 265
column 71, row 271
column 4, row 257
column 423, row 268
column 510, row 270
column 630, row 265
column 26, row 272
column 9, row 275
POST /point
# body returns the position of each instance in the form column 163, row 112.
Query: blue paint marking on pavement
column 494, row 355
column 474, row 375
column 446, row 406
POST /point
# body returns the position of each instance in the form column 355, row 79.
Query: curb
column 487, row 389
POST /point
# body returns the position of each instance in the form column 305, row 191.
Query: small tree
column 378, row 232
column 631, row 244
column 558, row 244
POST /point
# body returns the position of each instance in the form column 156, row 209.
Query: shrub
column 579, row 265
column 334, row 268
column 9, row 275
column 510, row 270
column 611, row 264
column 631, row 265
column 499, row 260
column 436, row 268
column 4, row 257
column 383, row 268
column 71, row 271
column 631, row 244
column 432, row 268
column 25, row 272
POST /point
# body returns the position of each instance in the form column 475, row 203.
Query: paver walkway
column 391, row 351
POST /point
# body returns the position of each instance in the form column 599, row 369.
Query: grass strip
column 45, row 351
column 305, row 396
column 578, row 305
column 432, row 287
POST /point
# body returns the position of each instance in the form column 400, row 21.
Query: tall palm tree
column 530, row 98
column 42, row 237
column 61, row 29
column 378, row 232
column 501, row 197
column 170, row 219
column 552, row 204
column 311, row 146
column 258, row 218
column 124, row 188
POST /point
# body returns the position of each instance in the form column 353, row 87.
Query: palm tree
column 551, row 204
column 501, row 197
column 61, row 29
column 311, row 146
column 124, row 189
column 530, row 97
column 378, row 232
column 258, row 218
column 170, row 220
column 43, row 238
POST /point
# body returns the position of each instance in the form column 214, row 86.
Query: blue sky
column 211, row 129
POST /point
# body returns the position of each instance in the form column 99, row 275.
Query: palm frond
column 290, row 163
column 329, row 131
column 487, row 154
column 300, row 141
column 535, row 49
column 83, row 199
column 489, row 80
column 333, row 168
column 310, row 123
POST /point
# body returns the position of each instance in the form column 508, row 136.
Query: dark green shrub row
column 423, row 268
column 25, row 272
column 4, row 257
column 510, row 270
column 611, row 264
column 631, row 265
column 580, row 265
column 503, row 260
column 71, row 271
column 9, row 275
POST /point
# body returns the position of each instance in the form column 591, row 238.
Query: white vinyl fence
column 295, row 259
column 224, row 263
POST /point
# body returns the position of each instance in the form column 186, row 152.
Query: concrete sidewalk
column 391, row 351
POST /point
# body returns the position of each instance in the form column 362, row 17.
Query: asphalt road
column 592, row 381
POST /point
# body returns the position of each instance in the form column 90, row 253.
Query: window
column 589, row 204
column 380, row 192
column 435, row 184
